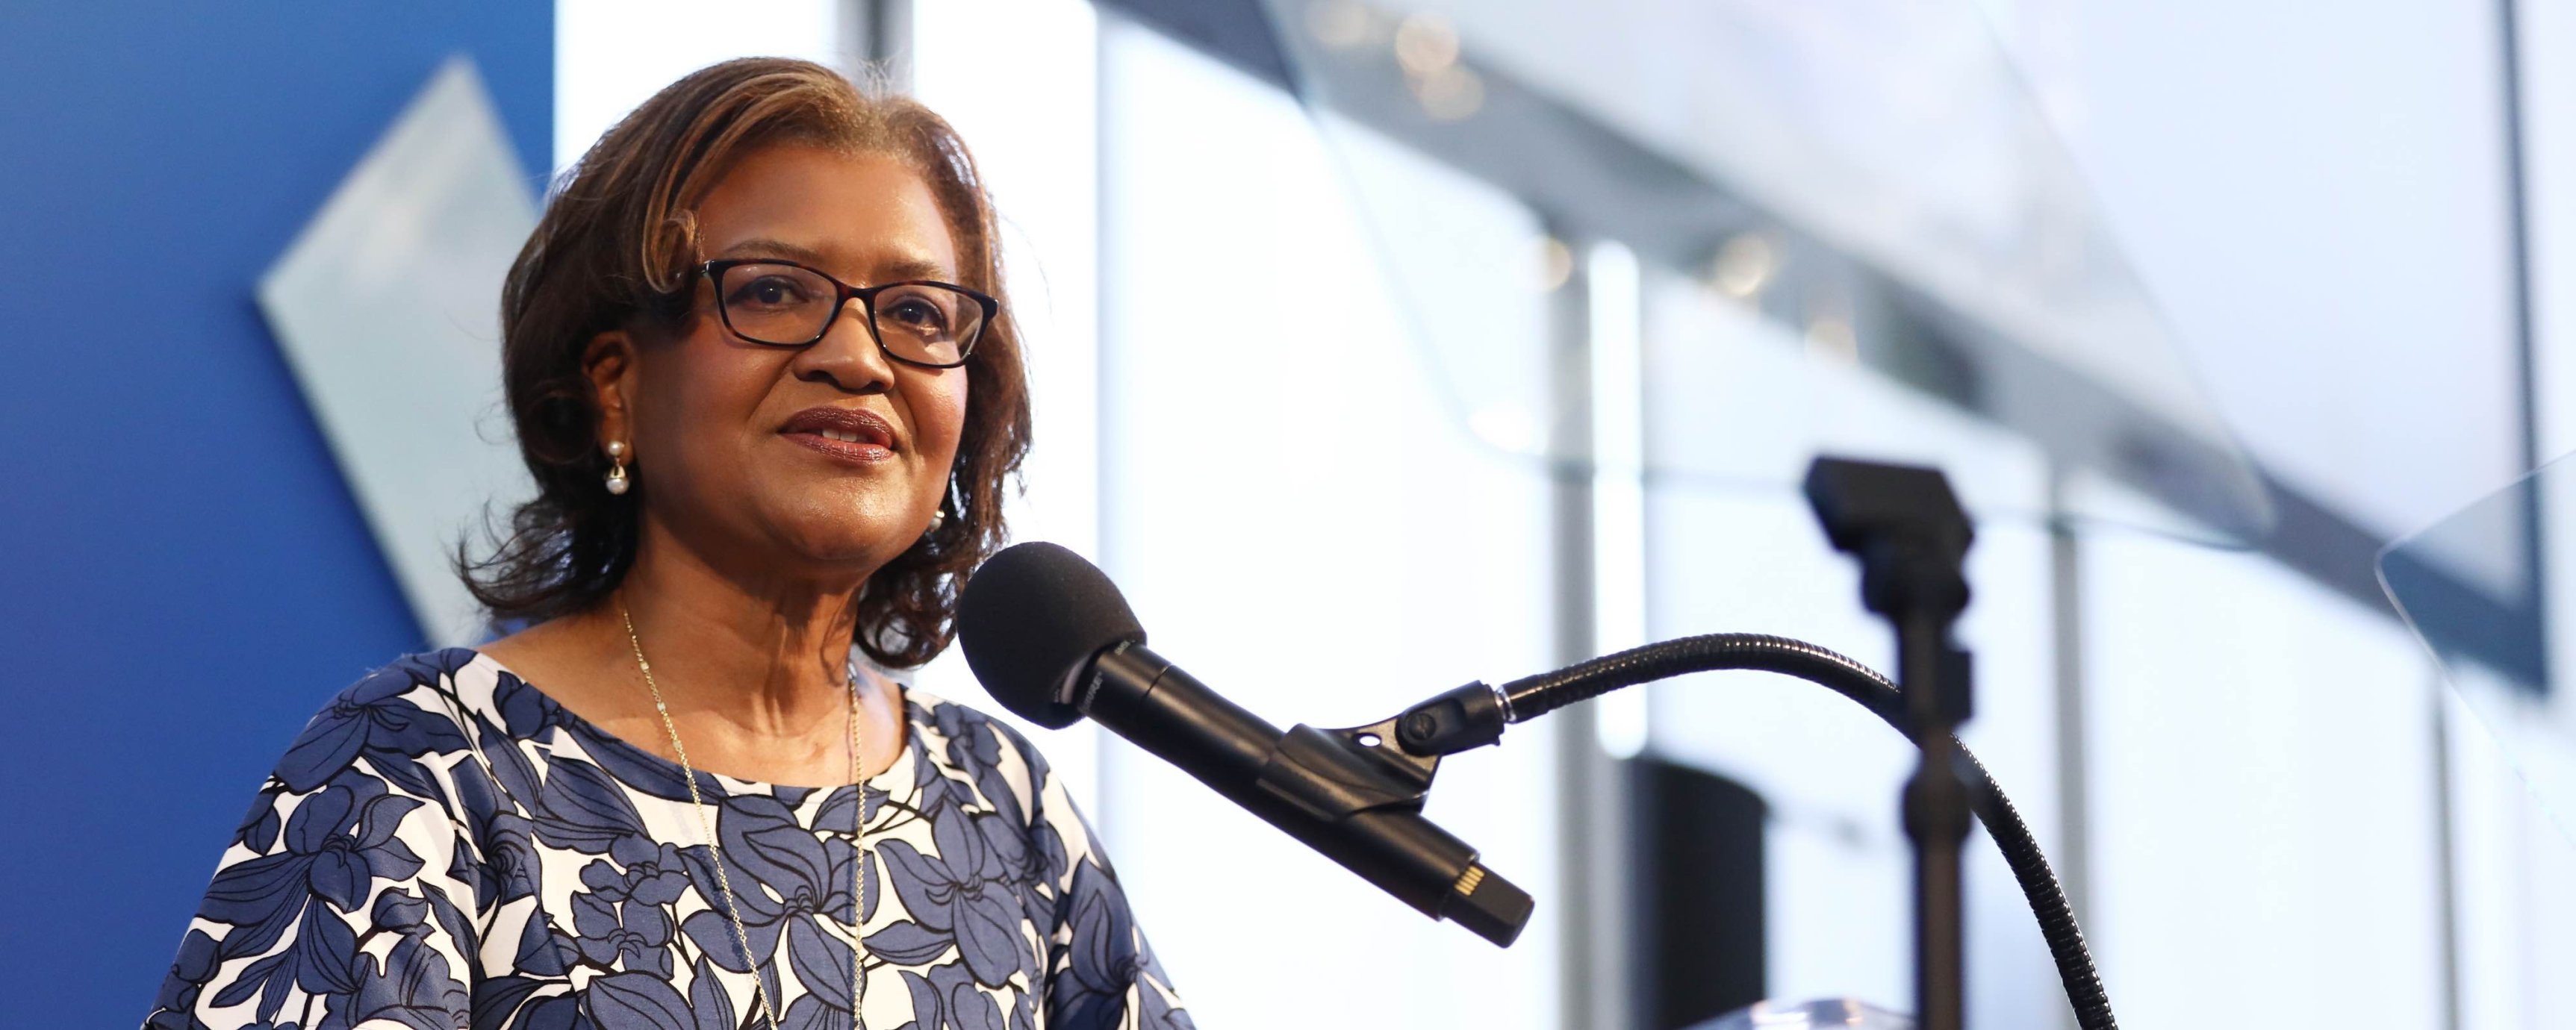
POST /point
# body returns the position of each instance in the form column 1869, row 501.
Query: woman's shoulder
column 987, row 750
column 951, row 718
column 409, row 710
column 955, row 720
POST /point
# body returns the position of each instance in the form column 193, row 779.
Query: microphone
column 1052, row 640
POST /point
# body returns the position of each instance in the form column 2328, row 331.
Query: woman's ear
column 609, row 362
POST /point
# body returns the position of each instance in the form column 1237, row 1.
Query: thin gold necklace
column 724, row 884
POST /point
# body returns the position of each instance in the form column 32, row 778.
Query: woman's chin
column 846, row 544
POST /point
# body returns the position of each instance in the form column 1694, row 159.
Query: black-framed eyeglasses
column 784, row 304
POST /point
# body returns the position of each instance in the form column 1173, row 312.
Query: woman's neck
column 755, row 671
column 769, row 656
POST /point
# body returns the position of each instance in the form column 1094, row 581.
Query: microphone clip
column 1332, row 774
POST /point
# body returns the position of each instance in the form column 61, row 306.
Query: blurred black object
column 1700, row 928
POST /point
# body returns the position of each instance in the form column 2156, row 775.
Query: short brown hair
column 617, row 248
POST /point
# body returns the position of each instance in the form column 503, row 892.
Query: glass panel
column 1935, row 233
column 2485, row 590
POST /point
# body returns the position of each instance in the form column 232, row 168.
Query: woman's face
column 741, row 450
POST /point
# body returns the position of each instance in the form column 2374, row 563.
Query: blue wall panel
column 183, row 576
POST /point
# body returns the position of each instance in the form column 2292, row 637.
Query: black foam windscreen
column 1029, row 615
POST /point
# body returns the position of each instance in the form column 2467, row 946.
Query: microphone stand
column 1911, row 537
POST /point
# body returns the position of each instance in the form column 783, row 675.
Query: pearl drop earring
column 939, row 515
column 617, row 481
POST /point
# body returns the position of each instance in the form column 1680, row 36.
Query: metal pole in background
column 875, row 47
column 1592, row 811
column 2074, row 848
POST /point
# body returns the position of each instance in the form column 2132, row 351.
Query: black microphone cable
column 1532, row 696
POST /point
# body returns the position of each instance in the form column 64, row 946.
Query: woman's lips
column 858, row 437
column 861, row 452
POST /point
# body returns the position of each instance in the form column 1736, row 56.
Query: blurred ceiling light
column 1831, row 337
column 1743, row 266
column 1425, row 44
column 1555, row 264
column 1450, row 94
column 1339, row 24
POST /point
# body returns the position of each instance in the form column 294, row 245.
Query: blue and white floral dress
column 445, row 846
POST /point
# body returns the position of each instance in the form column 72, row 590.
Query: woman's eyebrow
column 901, row 269
column 891, row 269
column 766, row 247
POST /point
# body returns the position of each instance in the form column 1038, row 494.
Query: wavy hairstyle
column 617, row 248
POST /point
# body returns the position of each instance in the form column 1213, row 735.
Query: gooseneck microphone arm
column 1474, row 715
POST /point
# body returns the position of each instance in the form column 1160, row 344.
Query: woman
column 758, row 364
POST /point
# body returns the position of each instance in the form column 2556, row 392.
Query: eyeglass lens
column 788, row 306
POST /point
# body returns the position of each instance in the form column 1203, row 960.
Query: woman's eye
column 770, row 291
column 917, row 313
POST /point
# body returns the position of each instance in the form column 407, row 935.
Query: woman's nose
column 847, row 356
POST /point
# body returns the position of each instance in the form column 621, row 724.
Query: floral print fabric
column 444, row 846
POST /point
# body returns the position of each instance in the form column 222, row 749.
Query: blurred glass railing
column 2485, row 589
column 1870, row 184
